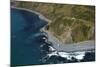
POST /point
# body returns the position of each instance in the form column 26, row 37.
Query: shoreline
column 88, row 45
column 39, row 14
column 82, row 46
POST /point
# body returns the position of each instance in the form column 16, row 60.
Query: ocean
column 30, row 45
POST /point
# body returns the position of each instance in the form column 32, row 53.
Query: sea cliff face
column 69, row 23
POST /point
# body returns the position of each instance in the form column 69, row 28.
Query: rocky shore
column 81, row 46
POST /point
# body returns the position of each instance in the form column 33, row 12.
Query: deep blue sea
column 28, row 46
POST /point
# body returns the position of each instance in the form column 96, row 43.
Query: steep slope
column 69, row 23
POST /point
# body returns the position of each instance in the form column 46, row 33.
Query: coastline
column 81, row 46
column 39, row 14
column 72, row 47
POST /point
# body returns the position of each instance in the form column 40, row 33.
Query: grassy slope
column 70, row 23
